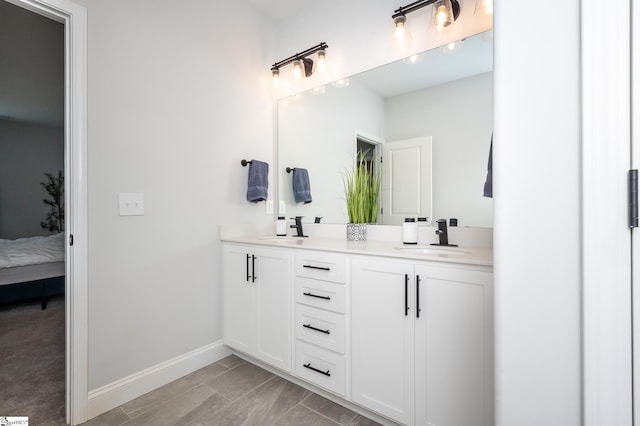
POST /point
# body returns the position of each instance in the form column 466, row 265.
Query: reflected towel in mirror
column 301, row 186
column 258, row 182
column 488, row 184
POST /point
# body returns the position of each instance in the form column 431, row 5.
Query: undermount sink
column 431, row 250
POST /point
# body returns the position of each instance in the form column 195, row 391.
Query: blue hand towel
column 258, row 181
column 488, row 184
column 301, row 186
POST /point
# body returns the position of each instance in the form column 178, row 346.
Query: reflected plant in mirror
column 430, row 119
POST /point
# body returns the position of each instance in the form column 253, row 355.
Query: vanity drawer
column 320, row 294
column 322, row 328
column 321, row 367
column 321, row 265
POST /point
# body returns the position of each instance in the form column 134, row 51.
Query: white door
column 607, row 264
column 635, row 237
column 406, row 180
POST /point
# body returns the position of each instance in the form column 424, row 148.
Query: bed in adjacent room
column 32, row 268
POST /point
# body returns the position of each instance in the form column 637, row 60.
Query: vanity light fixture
column 302, row 64
column 445, row 12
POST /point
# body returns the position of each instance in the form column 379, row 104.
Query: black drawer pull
column 316, row 329
column 326, row 373
column 322, row 268
column 315, row 295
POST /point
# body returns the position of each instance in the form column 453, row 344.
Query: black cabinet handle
column 248, row 276
column 316, row 329
column 322, row 268
column 315, row 295
column 417, row 296
column 406, row 294
column 253, row 268
column 326, row 373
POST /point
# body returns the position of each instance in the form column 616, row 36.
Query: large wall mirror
column 431, row 115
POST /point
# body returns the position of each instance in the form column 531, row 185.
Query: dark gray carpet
column 32, row 348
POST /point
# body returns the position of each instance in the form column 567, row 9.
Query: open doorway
column 32, row 246
column 73, row 19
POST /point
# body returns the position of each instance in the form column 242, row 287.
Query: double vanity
column 404, row 332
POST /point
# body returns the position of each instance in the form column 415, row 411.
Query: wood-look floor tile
column 263, row 405
column 114, row 417
column 232, row 361
column 173, row 411
column 161, row 395
column 240, row 380
column 303, row 416
column 335, row 412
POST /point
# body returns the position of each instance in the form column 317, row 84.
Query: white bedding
column 31, row 251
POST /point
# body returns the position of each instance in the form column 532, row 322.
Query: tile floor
column 231, row 392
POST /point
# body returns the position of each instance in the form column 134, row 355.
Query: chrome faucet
column 298, row 227
column 442, row 234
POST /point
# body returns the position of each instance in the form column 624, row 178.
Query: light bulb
column 442, row 14
column 401, row 33
column 321, row 63
column 488, row 6
column 297, row 69
column 453, row 46
column 276, row 78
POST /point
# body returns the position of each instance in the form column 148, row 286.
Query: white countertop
column 462, row 255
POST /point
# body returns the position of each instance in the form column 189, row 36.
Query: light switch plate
column 131, row 204
column 269, row 207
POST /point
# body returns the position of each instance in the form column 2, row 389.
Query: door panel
column 406, row 180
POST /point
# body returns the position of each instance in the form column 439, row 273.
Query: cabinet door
column 454, row 347
column 274, row 307
column 382, row 337
column 238, row 298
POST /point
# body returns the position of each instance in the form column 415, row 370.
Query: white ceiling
column 31, row 67
column 278, row 9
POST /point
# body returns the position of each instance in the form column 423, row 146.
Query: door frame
column 606, row 238
column 74, row 18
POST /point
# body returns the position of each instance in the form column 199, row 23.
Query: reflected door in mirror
column 406, row 180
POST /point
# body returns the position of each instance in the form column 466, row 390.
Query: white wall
column 175, row 103
column 537, row 213
column 27, row 151
column 459, row 116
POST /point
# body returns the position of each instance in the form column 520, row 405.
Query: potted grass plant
column 362, row 192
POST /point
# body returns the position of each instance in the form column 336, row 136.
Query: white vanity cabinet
column 257, row 302
column 422, row 341
column 320, row 319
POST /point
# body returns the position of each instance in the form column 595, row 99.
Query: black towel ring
column 289, row 169
column 245, row 162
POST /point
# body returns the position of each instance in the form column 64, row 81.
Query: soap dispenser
column 281, row 227
column 410, row 231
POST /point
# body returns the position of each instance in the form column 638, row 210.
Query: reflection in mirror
column 431, row 116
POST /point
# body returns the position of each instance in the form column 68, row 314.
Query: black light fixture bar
column 302, row 55
column 411, row 7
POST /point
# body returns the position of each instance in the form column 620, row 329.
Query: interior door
column 406, row 180
column 635, row 238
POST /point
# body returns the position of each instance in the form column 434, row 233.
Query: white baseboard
column 124, row 390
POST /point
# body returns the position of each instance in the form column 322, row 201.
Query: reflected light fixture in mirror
column 445, row 12
column 302, row 64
